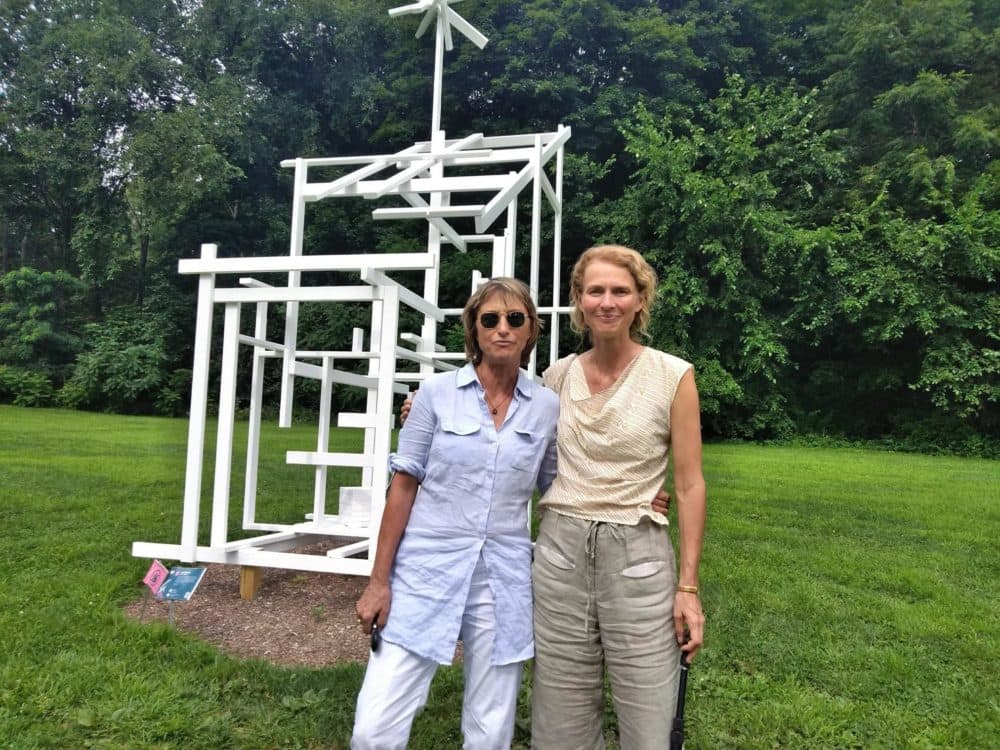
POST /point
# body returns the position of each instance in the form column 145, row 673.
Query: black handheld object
column 677, row 730
column 376, row 637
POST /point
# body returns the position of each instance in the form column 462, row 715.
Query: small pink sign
column 155, row 576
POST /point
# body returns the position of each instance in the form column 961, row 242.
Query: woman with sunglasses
column 605, row 584
column 478, row 441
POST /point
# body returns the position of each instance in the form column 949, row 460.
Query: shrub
column 24, row 387
column 125, row 368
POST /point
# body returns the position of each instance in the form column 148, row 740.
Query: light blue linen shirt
column 475, row 490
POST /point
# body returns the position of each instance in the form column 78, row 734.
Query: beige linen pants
column 604, row 597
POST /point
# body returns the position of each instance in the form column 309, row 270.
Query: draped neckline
column 580, row 390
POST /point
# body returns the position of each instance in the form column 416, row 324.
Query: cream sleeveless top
column 613, row 445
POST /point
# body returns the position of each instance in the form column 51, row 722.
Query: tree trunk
column 96, row 301
column 26, row 250
column 5, row 257
column 66, row 234
column 143, row 259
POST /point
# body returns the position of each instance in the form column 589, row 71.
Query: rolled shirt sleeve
column 415, row 439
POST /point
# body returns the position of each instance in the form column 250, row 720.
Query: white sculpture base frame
column 360, row 508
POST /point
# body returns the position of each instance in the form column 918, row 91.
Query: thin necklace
column 496, row 409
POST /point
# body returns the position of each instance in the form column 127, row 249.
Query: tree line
column 814, row 181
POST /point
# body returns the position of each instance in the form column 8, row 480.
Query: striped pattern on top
column 613, row 445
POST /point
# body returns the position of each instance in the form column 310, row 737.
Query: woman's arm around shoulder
column 555, row 373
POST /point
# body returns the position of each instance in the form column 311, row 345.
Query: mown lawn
column 853, row 600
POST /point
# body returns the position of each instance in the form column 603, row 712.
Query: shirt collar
column 467, row 375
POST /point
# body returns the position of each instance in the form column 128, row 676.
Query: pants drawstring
column 590, row 549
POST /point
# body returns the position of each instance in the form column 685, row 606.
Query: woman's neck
column 497, row 379
column 613, row 354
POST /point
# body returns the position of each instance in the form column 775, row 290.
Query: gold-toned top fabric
column 613, row 445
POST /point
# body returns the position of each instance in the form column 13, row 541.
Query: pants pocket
column 644, row 569
column 555, row 543
column 647, row 550
column 554, row 558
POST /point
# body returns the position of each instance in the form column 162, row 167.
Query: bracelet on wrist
column 688, row 589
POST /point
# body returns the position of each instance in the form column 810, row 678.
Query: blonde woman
column 606, row 587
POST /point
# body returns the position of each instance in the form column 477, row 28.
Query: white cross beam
column 435, row 8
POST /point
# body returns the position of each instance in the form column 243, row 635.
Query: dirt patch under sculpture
column 296, row 619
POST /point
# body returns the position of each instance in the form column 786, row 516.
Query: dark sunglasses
column 492, row 320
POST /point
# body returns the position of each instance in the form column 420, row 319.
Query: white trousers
column 397, row 682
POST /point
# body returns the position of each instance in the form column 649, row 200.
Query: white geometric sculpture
column 428, row 178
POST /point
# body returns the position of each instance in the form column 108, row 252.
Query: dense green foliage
column 844, row 591
column 815, row 182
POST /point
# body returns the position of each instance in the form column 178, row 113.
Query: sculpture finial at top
column 440, row 9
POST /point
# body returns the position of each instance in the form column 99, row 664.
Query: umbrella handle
column 677, row 732
column 682, row 687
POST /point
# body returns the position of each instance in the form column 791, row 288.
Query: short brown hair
column 642, row 274
column 508, row 287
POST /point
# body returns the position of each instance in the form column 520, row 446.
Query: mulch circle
column 298, row 618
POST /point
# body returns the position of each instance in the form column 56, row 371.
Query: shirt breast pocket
column 526, row 449
column 457, row 442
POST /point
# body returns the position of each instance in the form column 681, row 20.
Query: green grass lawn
column 853, row 601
